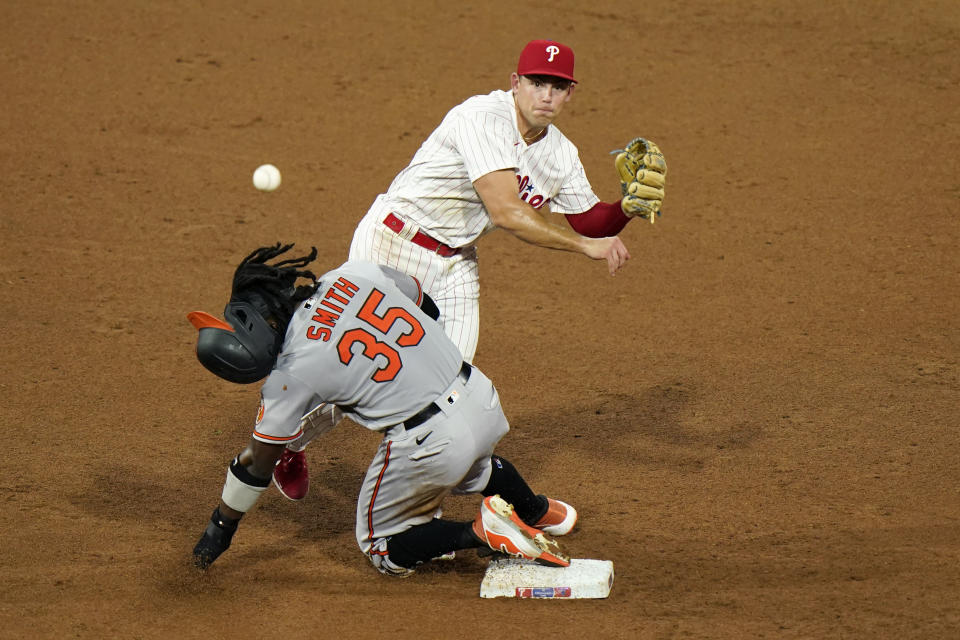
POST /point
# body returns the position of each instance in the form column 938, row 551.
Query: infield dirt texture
column 757, row 419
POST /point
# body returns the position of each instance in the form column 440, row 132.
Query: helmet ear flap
column 223, row 354
column 243, row 349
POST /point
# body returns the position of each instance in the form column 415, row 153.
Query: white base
column 516, row 578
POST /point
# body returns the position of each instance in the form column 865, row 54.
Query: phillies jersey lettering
column 525, row 188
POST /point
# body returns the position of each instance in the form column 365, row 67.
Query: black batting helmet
column 245, row 347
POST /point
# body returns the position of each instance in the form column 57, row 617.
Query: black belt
column 433, row 409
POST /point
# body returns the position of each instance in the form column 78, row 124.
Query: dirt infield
column 757, row 419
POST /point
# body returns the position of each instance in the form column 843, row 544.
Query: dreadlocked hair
column 273, row 287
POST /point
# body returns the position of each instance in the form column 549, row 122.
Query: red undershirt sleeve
column 599, row 221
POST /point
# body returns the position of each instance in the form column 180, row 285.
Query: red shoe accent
column 291, row 475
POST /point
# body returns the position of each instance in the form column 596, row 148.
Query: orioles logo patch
column 260, row 411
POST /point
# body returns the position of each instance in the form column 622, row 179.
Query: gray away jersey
column 362, row 343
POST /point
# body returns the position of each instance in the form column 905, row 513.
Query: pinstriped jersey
column 479, row 136
column 362, row 343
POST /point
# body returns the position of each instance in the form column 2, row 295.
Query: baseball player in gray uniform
column 363, row 337
column 494, row 162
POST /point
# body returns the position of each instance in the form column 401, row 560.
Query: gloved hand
column 642, row 170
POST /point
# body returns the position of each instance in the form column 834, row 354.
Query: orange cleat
column 559, row 519
column 502, row 530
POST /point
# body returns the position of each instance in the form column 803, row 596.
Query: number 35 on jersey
column 374, row 324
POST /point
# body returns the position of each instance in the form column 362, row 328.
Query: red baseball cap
column 546, row 58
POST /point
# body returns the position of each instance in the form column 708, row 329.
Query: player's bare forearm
column 544, row 234
column 508, row 212
column 527, row 224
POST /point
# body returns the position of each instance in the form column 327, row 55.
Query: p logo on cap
column 546, row 58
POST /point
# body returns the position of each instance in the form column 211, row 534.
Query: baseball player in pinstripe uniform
column 363, row 337
column 494, row 162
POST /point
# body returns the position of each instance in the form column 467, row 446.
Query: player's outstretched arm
column 498, row 190
column 248, row 476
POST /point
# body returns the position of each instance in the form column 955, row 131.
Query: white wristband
column 238, row 495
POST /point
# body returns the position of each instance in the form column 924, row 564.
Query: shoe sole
column 516, row 538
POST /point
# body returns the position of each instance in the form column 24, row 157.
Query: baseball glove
column 643, row 174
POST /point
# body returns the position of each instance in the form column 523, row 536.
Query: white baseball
column 266, row 177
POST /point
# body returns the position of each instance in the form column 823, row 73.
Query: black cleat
column 215, row 540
